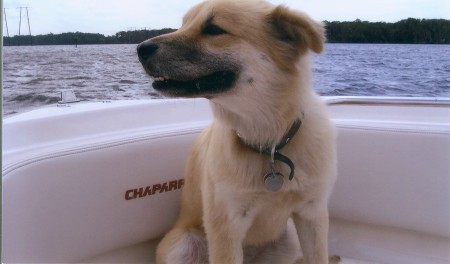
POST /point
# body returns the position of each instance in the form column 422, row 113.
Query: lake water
column 34, row 76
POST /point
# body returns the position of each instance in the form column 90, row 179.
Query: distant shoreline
column 407, row 31
column 79, row 38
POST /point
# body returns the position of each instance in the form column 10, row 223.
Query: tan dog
column 250, row 59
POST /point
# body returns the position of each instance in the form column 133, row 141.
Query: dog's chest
column 268, row 214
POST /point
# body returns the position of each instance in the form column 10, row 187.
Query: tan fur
column 227, row 215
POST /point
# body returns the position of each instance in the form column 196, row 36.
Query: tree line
column 79, row 38
column 408, row 31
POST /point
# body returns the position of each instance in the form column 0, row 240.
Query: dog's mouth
column 204, row 86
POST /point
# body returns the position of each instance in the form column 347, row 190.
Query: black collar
column 284, row 141
column 277, row 156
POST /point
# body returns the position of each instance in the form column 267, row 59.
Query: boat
column 99, row 182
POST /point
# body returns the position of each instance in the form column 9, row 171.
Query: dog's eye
column 213, row 30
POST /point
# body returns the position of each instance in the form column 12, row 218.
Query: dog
column 258, row 179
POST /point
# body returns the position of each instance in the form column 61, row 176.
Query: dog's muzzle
column 181, row 68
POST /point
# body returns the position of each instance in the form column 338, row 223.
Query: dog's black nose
column 146, row 49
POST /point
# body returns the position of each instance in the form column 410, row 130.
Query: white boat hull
column 101, row 182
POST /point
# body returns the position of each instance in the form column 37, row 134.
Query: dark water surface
column 34, row 76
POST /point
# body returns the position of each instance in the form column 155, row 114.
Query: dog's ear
column 297, row 29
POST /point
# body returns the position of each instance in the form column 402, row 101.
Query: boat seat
column 79, row 187
column 78, row 184
column 391, row 201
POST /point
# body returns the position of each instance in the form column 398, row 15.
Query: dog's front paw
column 331, row 260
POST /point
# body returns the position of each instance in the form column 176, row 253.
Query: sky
column 111, row 16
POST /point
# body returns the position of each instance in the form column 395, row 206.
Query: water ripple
column 34, row 76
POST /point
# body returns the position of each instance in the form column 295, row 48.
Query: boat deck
column 145, row 253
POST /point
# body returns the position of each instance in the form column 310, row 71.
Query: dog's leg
column 285, row 250
column 332, row 260
column 225, row 240
column 182, row 246
column 225, row 227
column 312, row 231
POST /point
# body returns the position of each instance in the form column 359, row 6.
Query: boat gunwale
column 384, row 100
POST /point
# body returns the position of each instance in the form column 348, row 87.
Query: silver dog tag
column 273, row 181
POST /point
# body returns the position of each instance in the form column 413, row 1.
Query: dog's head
column 229, row 45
